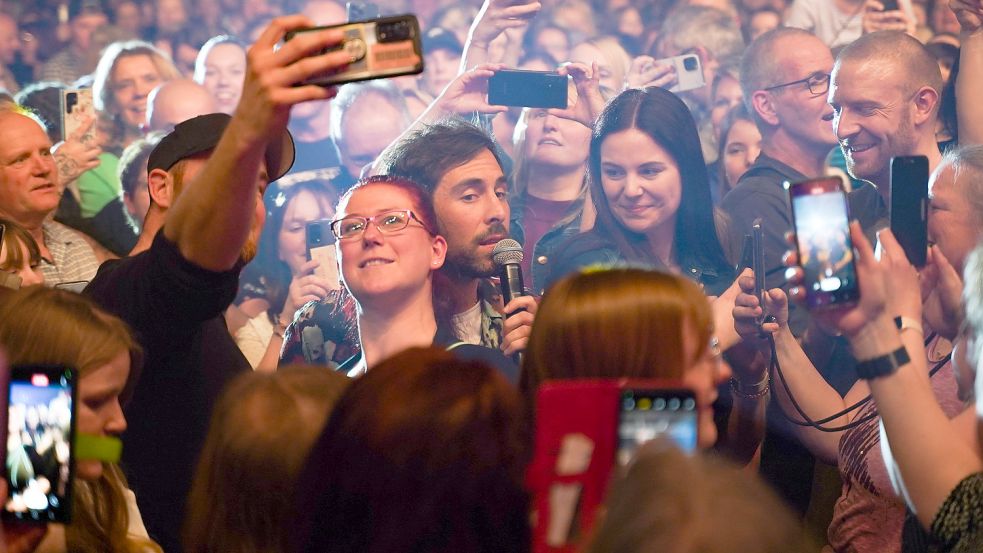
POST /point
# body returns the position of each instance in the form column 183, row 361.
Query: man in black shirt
column 174, row 291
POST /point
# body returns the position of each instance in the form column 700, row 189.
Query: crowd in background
column 209, row 224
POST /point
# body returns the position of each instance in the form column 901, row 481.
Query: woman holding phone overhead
column 389, row 252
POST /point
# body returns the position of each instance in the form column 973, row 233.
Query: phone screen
column 821, row 220
column 647, row 414
column 39, row 445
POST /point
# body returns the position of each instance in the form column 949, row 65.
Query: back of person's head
column 694, row 26
column 44, row 99
column 133, row 163
column 662, row 116
column 615, row 323
column 427, row 154
column 426, row 453
column 671, row 502
column 892, row 53
column 380, row 90
column 261, row 431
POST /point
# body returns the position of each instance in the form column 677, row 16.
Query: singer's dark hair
column 615, row 323
column 428, row 153
column 666, row 120
column 426, row 453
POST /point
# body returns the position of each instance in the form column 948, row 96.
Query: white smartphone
column 689, row 72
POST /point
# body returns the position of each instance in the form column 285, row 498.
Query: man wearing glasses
column 785, row 79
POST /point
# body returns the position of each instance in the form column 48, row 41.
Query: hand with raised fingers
column 497, row 16
column 586, row 104
column 969, row 13
column 645, row 71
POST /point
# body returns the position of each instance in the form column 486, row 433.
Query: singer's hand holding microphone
column 520, row 309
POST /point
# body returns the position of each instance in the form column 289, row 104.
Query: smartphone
column 41, row 409
column 77, row 110
column 820, row 218
column 75, row 286
column 362, row 11
column 890, row 5
column 758, row 263
column 646, row 414
column 909, row 206
column 689, row 72
column 380, row 48
column 320, row 246
column 530, row 89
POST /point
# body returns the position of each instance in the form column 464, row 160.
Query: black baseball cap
column 201, row 134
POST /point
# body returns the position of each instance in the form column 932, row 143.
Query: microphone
column 507, row 254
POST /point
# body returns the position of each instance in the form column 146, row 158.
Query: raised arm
column 211, row 219
column 495, row 18
column 969, row 110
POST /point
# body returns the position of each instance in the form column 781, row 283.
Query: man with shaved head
column 176, row 101
column 885, row 91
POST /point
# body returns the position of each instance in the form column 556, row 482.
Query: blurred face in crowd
column 873, row 118
column 762, row 22
column 9, row 40
column 99, row 410
column 325, row 12
column 953, row 224
column 138, row 203
column 441, row 68
column 611, row 77
column 726, row 96
column 741, row 147
column 27, row 269
column 82, row 28
column 703, row 376
column 133, row 78
column 303, row 208
column 370, row 124
column 29, row 188
column 555, row 141
column 378, row 266
column 472, row 207
column 642, row 183
column 128, row 18
column 225, row 69
column 171, row 15
column 803, row 112
column 554, row 42
column 944, row 19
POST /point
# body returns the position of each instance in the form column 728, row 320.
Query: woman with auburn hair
column 261, row 431
column 627, row 323
column 425, row 453
column 48, row 326
column 651, row 189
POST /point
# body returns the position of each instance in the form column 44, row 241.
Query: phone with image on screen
column 320, row 247
column 821, row 220
column 646, row 414
column 41, row 423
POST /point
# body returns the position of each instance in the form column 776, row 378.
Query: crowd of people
column 285, row 299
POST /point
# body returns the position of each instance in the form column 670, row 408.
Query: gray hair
column 967, row 160
column 350, row 93
column 760, row 67
column 713, row 29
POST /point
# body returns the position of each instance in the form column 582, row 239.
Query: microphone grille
column 506, row 251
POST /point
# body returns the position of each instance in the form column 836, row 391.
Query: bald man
column 176, row 101
column 885, row 91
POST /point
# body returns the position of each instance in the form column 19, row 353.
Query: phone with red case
column 583, row 429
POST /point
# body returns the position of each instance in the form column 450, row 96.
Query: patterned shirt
column 72, row 259
column 65, row 67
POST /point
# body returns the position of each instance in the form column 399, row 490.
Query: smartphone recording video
column 41, row 428
column 822, row 230
column 909, row 206
column 379, row 48
column 77, row 110
column 320, row 246
column 647, row 414
column 528, row 89
column 689, row 72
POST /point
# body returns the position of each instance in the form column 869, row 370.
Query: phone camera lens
column 689, row 64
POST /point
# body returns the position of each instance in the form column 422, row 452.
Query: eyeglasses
column 818, row 83
column 389, row 222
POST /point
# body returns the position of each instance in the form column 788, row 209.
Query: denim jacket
column 544, row 250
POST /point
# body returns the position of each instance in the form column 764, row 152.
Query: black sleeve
column 491, row 357
column 113, row 228
column 160, row 291
column 762, row 198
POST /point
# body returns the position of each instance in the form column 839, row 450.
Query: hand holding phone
column 321, row 248
column 532, row 89
column 688, row 70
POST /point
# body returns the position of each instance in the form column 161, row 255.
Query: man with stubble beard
column 206, row 180
column 460, row 166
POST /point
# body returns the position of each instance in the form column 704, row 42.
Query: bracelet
column 756, row 391
column 907, row 323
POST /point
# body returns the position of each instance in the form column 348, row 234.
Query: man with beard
column 206, row 182
column 460, row 166
column 885, row 91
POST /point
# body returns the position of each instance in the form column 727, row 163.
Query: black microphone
column 507, row 254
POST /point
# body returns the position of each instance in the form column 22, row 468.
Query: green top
column 99, row 186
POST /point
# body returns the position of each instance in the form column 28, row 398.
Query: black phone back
column 909, row 206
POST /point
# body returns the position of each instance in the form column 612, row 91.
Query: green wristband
column 89, row 447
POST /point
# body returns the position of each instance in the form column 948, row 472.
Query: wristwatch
column 883, row 365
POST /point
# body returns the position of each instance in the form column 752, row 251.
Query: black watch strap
column 883, row 365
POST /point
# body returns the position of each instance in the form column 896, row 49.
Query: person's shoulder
column 490, row 356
